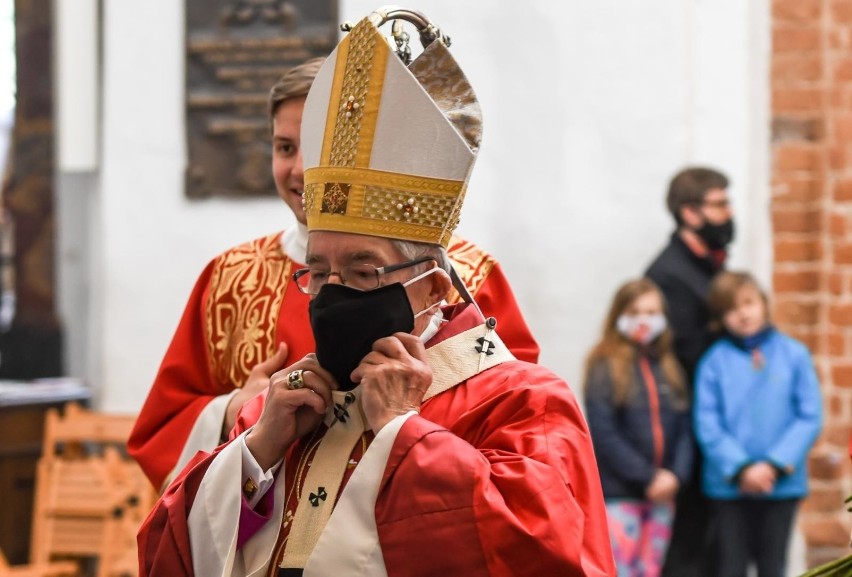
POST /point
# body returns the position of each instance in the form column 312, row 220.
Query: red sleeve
column 518, row 494
column 163, row 540
column 496, row 299
column 249, row 414
column 181, row 390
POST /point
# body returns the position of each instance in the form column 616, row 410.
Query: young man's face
column 287, row 155
column 715, row 209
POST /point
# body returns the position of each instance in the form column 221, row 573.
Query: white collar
column 435, row 322
column 294, row 242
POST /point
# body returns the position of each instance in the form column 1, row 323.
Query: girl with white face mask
column 639, row 418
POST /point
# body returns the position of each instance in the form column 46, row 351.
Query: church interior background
column 589, row 107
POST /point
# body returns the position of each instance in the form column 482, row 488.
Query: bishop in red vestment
column 412, row 442
column 243, row 306
column 494, row 476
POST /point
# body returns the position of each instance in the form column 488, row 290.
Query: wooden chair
column 90, row 498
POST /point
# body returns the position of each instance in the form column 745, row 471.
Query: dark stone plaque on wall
column 235, row 51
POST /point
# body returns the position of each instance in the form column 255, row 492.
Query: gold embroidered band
column 355, row 97
column 377, row 203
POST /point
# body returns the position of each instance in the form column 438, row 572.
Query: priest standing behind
column 412, row 442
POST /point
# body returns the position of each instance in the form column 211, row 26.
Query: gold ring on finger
column 295, row 380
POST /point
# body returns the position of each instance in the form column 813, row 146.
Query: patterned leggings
column 640, row 532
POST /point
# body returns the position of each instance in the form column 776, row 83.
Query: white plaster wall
column 589, row 108
column 76, row 80
column 151, row 242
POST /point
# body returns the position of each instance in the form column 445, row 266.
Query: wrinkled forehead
column 346, row 248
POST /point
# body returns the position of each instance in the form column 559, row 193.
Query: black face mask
column 717, row 236
column 346, row 322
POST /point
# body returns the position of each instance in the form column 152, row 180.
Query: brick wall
column 811, row 84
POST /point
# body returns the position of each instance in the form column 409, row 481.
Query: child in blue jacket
column 757, row 412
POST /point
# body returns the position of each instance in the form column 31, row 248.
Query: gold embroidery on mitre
column 311, row 192
column 247, row 286
column 359, row 95
column 335, row 197
column 386, row 204
column 471, row 263
column 380, row 203
column 402, row 206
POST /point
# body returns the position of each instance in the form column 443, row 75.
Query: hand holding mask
column 290, row 412
column 394, row 376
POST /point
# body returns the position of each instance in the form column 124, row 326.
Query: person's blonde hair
column 294, row 83
column 722, row 297
column 620, row 354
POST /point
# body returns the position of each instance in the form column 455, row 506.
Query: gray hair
column 412, row 250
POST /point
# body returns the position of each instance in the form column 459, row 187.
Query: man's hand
column 758, row 478
column 663, row 487
column 394, row 377
column 289, row 414
column 258, row 379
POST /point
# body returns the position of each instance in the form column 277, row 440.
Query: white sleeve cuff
column 387, row 435
column 206, row 433
column 254, row 475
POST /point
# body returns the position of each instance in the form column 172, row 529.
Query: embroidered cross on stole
column 453, row 361
column 324, row 478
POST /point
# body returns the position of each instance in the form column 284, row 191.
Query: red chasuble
column 226, row 330
column 495, row 476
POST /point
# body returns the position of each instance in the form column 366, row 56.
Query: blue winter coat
column 746, row 412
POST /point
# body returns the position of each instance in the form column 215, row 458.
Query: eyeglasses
column 722, row 204
column 363, row 277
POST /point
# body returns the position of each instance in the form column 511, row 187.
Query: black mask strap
column 459, row 285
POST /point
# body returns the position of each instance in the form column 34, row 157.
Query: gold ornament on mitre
column 388, row 148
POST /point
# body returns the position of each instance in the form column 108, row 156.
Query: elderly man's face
column 331, row 251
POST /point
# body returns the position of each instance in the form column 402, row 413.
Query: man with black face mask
column 245, row 320
column 698, row 201
column 412, row 442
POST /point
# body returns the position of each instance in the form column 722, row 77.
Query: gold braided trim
column 357, row 86
column 472, row 263
column 247, row 287
column 382, row 178
column 386, row 204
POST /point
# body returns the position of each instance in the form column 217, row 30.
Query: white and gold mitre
column 388, row 149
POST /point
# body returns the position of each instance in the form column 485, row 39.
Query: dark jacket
column 685, row 280
column 623, row 436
